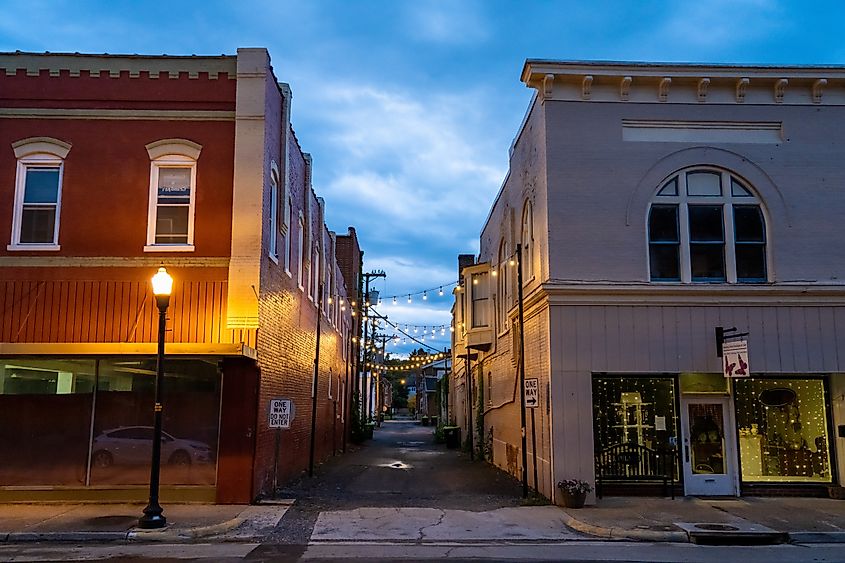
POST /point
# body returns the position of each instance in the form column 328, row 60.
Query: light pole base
column 152, row 520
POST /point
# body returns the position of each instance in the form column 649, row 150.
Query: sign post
column 279, row 417
column 532, row 399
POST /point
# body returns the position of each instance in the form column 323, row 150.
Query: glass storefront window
column 639, row 410
column 45, row 420
column 46, row 410
column 122, row 445
column 783, row 430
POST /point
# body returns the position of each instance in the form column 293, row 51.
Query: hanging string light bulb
column 394, row 300
column 425, row 295
column 440, row 292
column 409, row 298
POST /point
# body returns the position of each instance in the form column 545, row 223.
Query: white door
column 708, row 448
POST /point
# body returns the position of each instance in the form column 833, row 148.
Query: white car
column 132, row 445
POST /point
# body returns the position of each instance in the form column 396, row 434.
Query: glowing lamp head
column 162, row 287
column 162, row 282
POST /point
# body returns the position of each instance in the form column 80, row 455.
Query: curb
column 134, row 535
column 817, row 537
column 623, row 533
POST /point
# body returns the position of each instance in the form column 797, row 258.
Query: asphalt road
column 400, row 467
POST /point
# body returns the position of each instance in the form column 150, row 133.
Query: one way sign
column 532, row 393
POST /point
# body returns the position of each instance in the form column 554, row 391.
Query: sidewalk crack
column 439, row 521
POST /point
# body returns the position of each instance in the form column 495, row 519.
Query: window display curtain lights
column 153, row 514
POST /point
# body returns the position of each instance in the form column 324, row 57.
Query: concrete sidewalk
column 801, row 520
column 118, row 522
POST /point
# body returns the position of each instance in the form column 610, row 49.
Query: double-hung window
column 706, row 225
column 38, row 191
column 173, row 171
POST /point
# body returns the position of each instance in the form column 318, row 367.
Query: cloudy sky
column 408, row 107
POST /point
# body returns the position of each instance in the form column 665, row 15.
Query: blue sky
column 408, row 107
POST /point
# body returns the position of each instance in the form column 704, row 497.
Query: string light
column 409, row 298
column 440, row 291
column 394, row 300
column 425, row 296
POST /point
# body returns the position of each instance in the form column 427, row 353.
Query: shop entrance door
column 708, row 453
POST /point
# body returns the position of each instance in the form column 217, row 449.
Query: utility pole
column 365, row 299
column 378, row 403
column 522, row 369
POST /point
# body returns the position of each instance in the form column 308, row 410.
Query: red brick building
column 111, row 166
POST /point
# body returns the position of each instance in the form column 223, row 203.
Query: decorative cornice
column 118, row 114
column 32, row 64
column 679, row 83
column 110, row 262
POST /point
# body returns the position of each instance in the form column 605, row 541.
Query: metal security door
column 708, row 454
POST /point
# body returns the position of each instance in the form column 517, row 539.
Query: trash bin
column 433, row 421
column 424, row 421
column 453, row 436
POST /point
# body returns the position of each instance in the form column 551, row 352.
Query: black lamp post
column 153, row 517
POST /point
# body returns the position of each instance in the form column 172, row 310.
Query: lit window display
column 638, row 410
column 783, row 430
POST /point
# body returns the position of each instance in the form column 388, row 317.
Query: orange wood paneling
column 113, row 311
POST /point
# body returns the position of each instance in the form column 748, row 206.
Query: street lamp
column 153, row 517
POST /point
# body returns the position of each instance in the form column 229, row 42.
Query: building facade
column 113, row 166
column 652, row 204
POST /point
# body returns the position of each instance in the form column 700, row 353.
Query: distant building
column 654, row 203
column 113, row 165
column 429, row 379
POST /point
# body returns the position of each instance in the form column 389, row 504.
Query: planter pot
column 836, row 491
column 575, row 500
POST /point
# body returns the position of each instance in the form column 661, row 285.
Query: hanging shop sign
column 532, row 393
column 281, row 413
column 735, row 358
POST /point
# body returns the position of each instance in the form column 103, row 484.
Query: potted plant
column 574, row 492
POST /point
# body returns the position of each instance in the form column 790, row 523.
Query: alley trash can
column 453, row 436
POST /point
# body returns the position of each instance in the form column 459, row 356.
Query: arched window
column 273, row 250
column 173, row 173
column 38, row 193
column 527, row 243
column 706, row 225
column 300, row 256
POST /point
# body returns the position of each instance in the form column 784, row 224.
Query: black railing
column 635, row 463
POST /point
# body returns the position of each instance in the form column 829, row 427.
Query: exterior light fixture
column 153, row 517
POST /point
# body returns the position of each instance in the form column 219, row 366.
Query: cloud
column 446, row 22
column 720, row 24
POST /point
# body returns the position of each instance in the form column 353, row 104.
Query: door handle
column 686, row 453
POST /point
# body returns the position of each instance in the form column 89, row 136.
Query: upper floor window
column 706, row 225
column 273, row 251
column 38, row 191
column 300, row 247
column 527, row 243
column 173, row 171
column 503, row 288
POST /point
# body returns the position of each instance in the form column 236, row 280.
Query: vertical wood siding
column 113, row 311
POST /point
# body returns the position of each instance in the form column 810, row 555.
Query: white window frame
column 726, row 201
column 36, row 152
column 171, row 153
column 24, row 165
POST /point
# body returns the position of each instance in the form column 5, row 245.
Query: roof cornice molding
column 32, row 64
column 685, row 83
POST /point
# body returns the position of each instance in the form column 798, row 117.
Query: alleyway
column 400, row 467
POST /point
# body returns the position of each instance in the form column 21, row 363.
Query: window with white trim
column 707, row 225
column 288, row 228
column 173, row 171
column 38, row 193
column 503, row 287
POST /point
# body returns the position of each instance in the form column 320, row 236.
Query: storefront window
column 783, row 430
column 45, row 421
column 122, row 445
column 639, row 410
column 47, row 407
